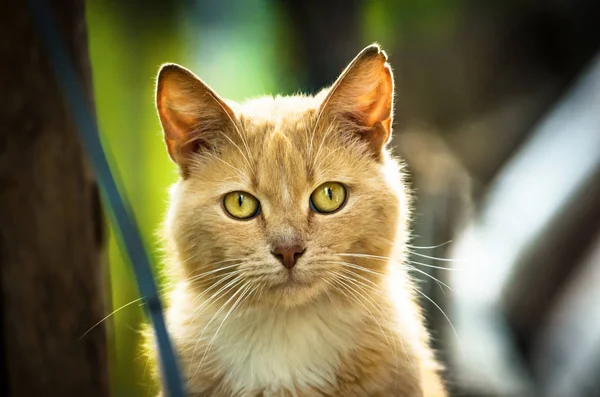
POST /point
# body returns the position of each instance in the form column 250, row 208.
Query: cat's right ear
column 189, row 111
column 363, row 97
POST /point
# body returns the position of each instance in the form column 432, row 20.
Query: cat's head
column 289, row 199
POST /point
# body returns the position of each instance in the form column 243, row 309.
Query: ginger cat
column 286, row 240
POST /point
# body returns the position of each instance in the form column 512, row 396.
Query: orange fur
column 344, row 321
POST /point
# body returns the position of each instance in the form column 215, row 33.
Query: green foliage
column 391, row 22
column 124, row 63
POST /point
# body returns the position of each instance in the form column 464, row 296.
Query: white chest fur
column 285, row 349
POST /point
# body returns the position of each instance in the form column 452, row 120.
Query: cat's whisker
column 316, row 157
column 423, row 247
column 115, row 311
column 418, row 270
column 343, row 269
column 383, row 315
column 231, row 285
column 190, row 258
column 227, row 260
column 213, row 277
column 411, row 267
column 385, row 258
column 396, row 358
column 314, row 131
column 359, row 255
column 246, row 288
column 240, row 260
column 109, row 315
column 255, row 295
column 359, row 297
column 355, row 278
column 235, row 125
column 341, row 279
column 327, row 156
column 434, row 266
column 226, row 278
column 435, row 258
column 237, row 170
column 223, row 306
column 362, row 286
column 247, row 161
column 357, row 267
column 327, row 292
column 444, row 314
column 220, row 269
column 438, row 281
column 196, row 255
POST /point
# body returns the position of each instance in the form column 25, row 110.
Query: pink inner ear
column 186, row 106
column 179, row 123
column 379, row 100
column 364, row 92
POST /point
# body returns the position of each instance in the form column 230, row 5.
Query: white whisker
column 357, row 297
column 223, row 306
column 434, row 266
column 423, row 247
column 237, row 170
column 202, row 275
column 357, row 267
column 359, row 276
column 239, row 149
column 228, row 287
column 357, row 255
column 434, row 258
column 237, row 129
column 212, row 340
column 444, row 314
column 439, row 282
column 105, row 318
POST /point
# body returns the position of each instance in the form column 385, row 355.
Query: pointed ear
column 190, row 112
column 363, row 97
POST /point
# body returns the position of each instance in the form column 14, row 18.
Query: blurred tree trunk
column 51, row 224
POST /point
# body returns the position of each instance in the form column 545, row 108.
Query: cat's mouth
column 292, row 287
column 292, row 280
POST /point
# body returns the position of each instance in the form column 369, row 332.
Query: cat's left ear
column 191, row 113
column 363, row 97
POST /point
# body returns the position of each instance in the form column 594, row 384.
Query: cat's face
column 282, row 199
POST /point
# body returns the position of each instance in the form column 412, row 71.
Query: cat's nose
column 288, row 255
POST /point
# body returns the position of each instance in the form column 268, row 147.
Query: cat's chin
column 294, row 292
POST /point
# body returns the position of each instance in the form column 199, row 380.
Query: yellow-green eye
column 241, row 205
column 328, row 198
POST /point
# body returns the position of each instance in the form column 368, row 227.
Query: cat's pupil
column 329, row 193
column 240, row 199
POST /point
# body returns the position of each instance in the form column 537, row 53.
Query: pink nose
column 288, row 255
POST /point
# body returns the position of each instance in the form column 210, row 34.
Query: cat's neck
column 285, row 345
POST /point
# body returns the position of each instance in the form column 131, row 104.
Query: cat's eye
column 328, row 198
column 241, row 205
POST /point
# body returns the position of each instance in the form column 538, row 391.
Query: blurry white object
column 561, row 156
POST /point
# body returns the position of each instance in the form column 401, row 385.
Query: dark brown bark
column 51, row 225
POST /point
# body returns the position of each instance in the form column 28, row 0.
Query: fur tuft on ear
column 363, row 96
column 189, row 110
